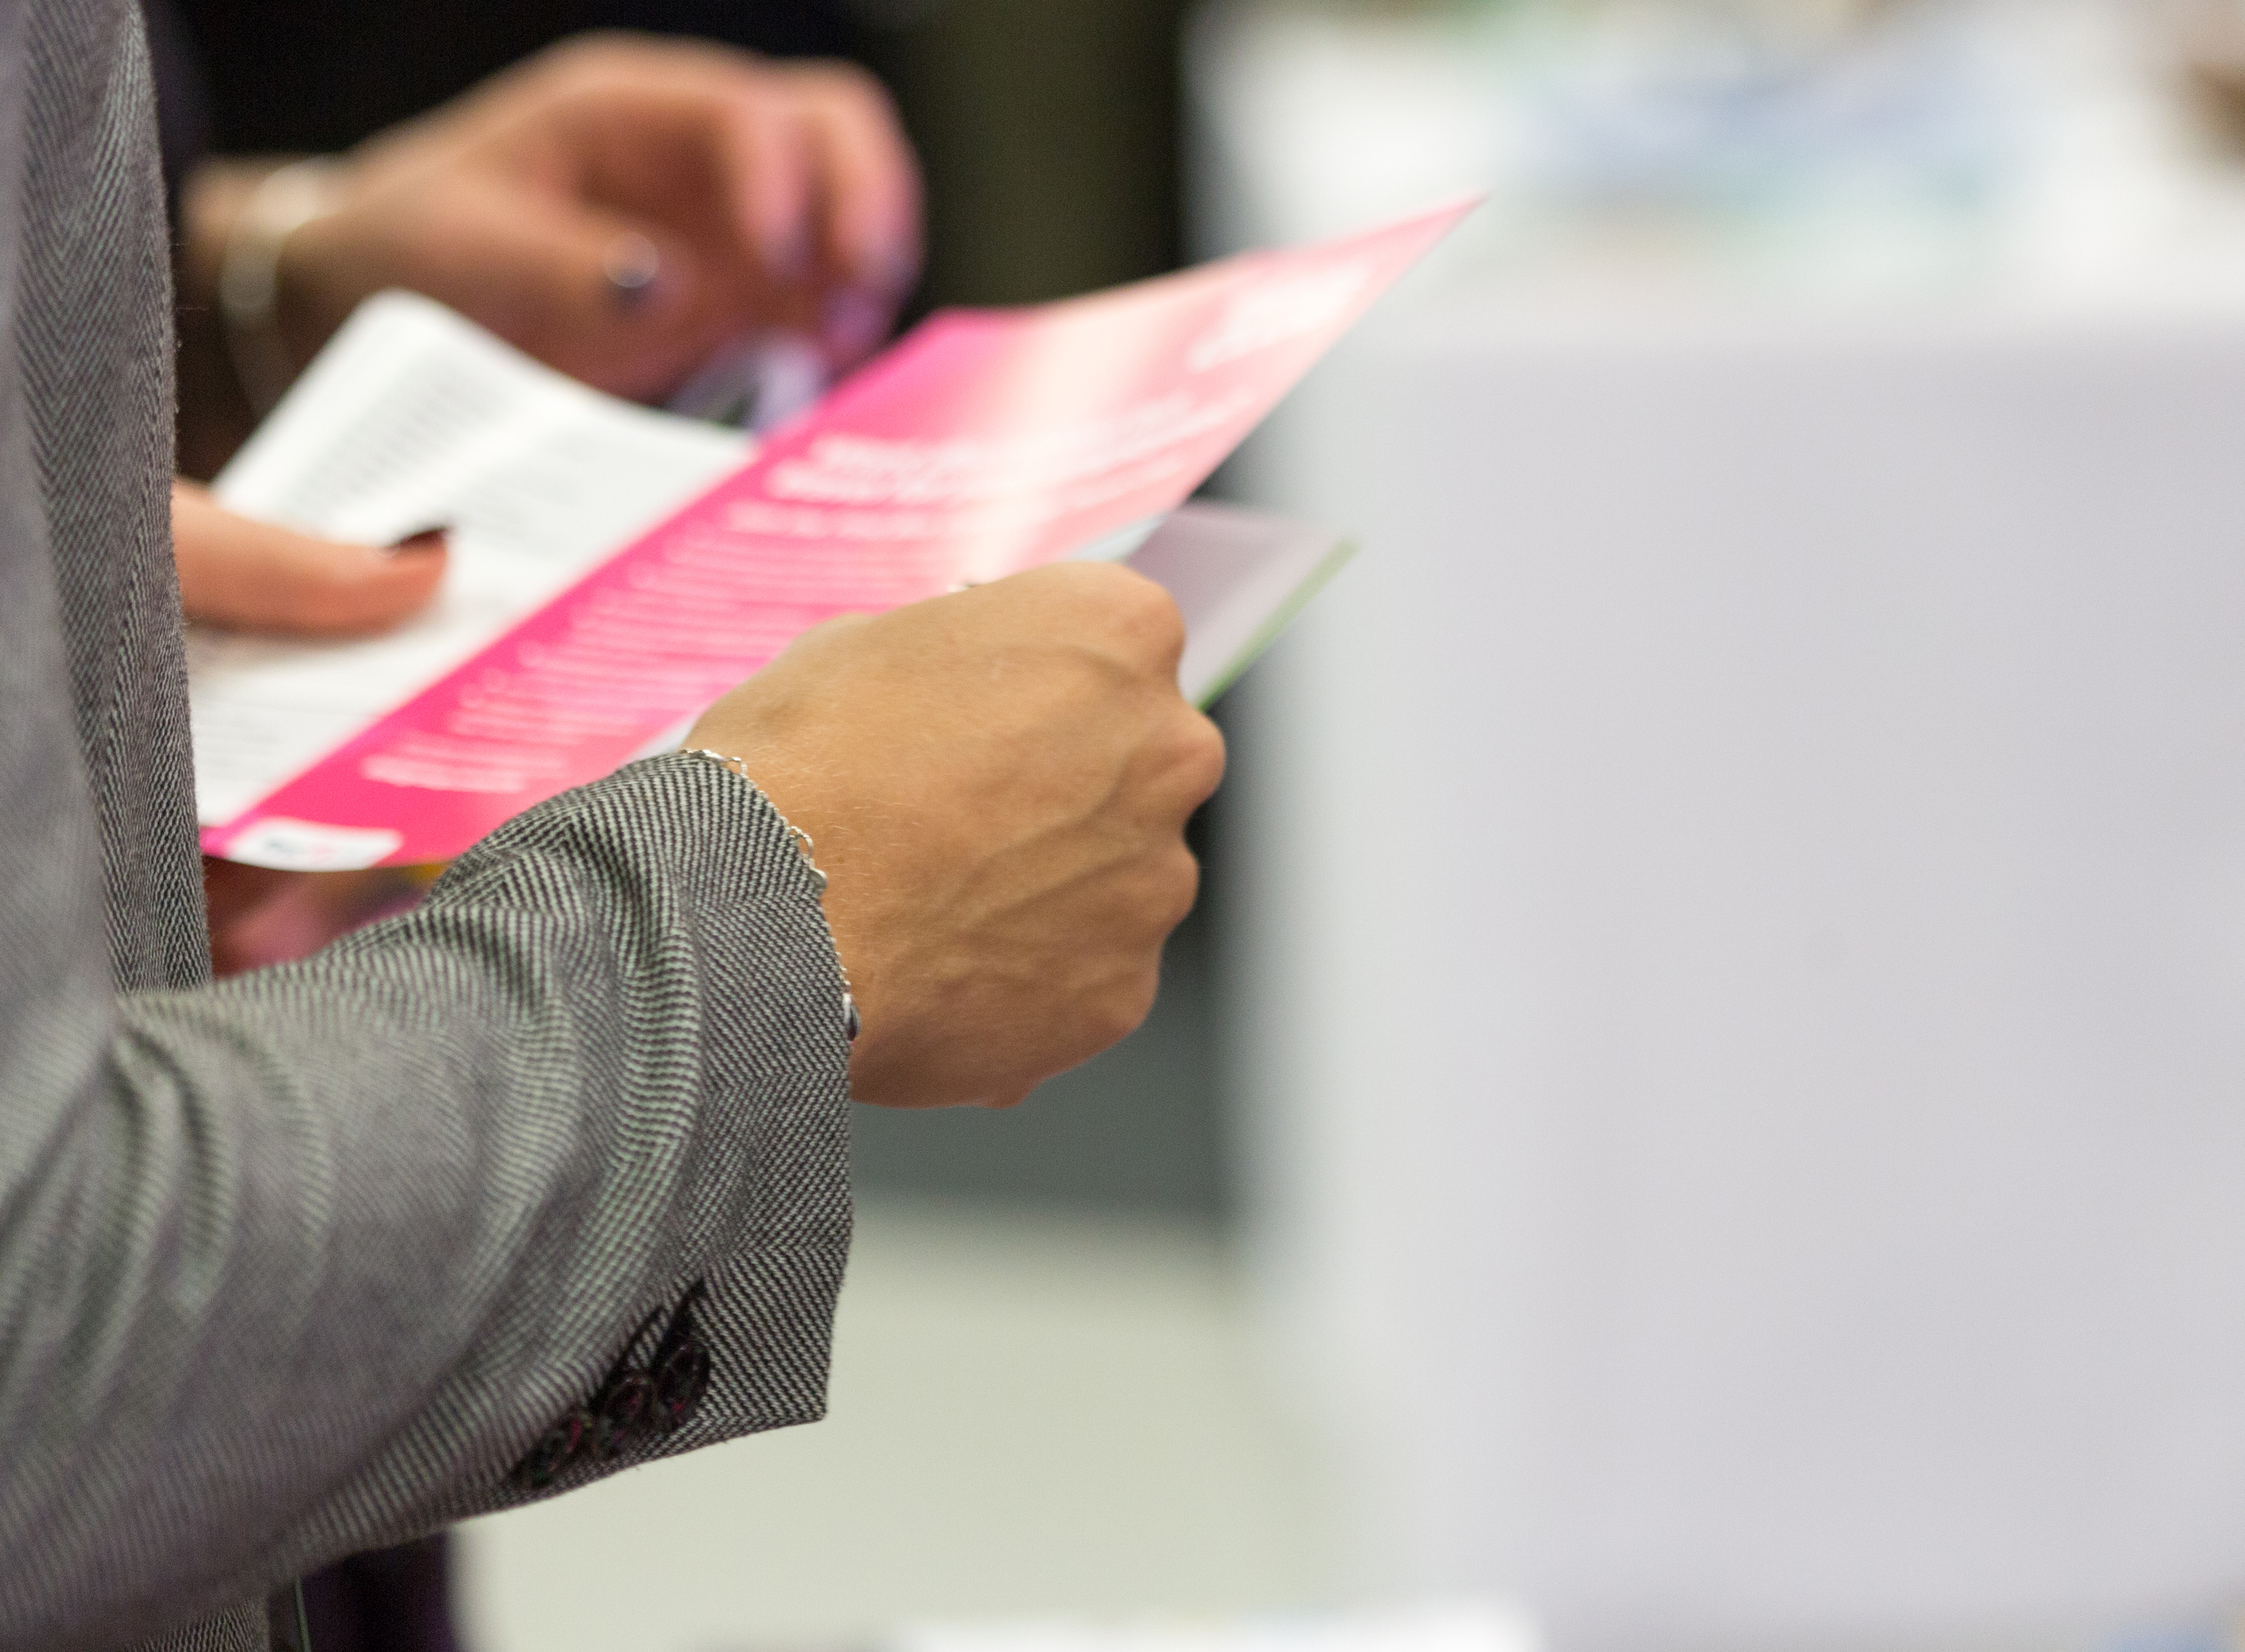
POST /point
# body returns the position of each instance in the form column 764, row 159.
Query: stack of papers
column 615, row 569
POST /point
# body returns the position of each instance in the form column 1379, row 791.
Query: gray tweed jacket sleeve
column 309, row 1261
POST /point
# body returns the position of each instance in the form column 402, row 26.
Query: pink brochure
column 984, row 443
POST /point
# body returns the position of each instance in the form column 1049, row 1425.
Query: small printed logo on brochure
column 305, row 846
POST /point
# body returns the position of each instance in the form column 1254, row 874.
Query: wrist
column 245, row 329
column 286, row 200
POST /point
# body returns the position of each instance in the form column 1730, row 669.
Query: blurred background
column 1706, row 1096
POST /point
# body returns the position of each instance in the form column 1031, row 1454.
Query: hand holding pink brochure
column 985, row 443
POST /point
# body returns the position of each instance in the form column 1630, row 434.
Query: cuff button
column 623, row 1414
column 680, row 1383
column 557, row 1448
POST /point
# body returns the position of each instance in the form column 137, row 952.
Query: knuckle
column 1162, row 889
column 1179, row 886
column 817, row 642
column 1202, row 754
column 1123, row 1010
column 835, row 628
column 1147, row 615
column 1142, row 599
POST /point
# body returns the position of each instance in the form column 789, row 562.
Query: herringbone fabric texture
column 303, row 1263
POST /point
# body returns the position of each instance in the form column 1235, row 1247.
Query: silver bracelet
column 851, row 1022
column 249, row 272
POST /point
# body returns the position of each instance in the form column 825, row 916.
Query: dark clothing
column 183, row 113
column 289, row 76
column 396, row 1599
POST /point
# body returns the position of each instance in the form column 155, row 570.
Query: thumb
column 245, row 575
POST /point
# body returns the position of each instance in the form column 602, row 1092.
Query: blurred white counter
column 1740, row 901
column 1033, row 1414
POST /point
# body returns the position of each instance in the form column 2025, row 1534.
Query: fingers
column 999, row 783
column 820, row 176
column 1148, row 627
column 868, row 185
column 253, row 576
column 867, row 175
column 767, row 156
column 1121, row 609
column 1104, row 606
column 800, row 170
column 1133, row 622
column 621, row 208
column 615, row 300
column 1199, row 763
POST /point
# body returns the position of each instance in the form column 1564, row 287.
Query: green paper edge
column 1283, row 615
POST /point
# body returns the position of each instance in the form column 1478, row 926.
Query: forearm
column 306, row 1262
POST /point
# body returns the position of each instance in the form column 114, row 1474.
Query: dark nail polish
column 420, row 541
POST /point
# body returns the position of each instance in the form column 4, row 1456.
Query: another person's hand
column 998, row 783
column 617, row 206
column 244, row 575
